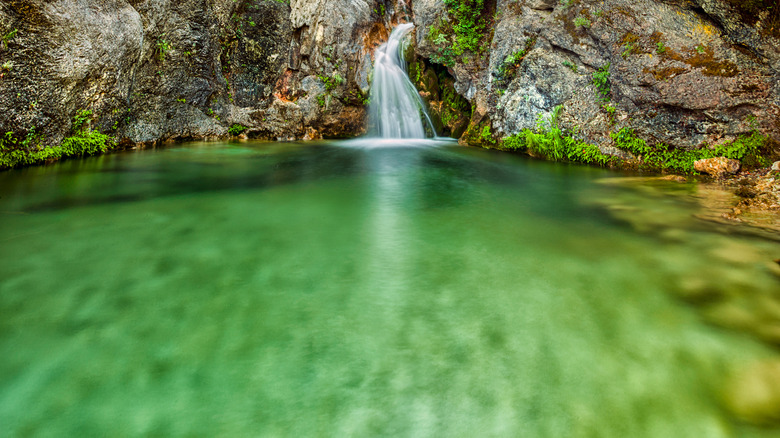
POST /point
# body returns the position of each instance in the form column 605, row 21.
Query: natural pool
column 333, row 289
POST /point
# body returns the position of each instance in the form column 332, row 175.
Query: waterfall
column 396, row 110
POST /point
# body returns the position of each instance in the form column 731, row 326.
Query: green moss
column 480, row 134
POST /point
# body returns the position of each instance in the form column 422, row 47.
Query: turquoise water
column 268, row 289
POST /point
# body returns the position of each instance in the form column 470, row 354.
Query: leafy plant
column 660, row 48
column 747, row 149
column 15, row 153
column 236, row 129
column 508, row 68
column 7, row 66
column 461, row 34
column 571, row 66
column 331, row 82
column 601, row 81
column 549, row 141
column 162, row 48
column 628, row 49
column 9, row 36
column 581, row 21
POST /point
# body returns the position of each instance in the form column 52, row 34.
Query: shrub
column 582, row 22
column 237, row 129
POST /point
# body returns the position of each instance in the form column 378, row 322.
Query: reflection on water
column 266, row 289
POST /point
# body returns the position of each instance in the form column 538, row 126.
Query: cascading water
column 396, row 110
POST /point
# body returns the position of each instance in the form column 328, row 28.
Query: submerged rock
column 754, row 394
column 717, row 167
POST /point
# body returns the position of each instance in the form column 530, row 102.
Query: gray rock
column 542, row 4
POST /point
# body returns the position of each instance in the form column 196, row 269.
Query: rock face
column 683, row 73
column 717, row 167
column 156, row 70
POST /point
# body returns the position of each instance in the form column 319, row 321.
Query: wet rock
column 700, row 291
column 717, row 167
column 754, row 394
column 776, row 166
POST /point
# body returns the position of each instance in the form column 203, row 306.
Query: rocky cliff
column 157, row 70
column 685, row 73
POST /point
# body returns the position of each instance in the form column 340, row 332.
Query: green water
column 265, row 289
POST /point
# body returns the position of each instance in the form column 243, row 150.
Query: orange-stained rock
column 717, row 167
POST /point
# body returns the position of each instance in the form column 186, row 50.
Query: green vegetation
column 8, row 37
column 7, row 66
column 571, row 66
column 550, row 142
column 28, row 151
column 628, row 49
column 237, row 129
column 567, row 3
column 582, row 22
column 486, row 136
column 162, row 48
column 508, row 68
column 746, row 149
column 601, row 81
column 323, row 100
column 331, row 82
column 462, row 34
column 660, row 48
column 454, row 105
column 469, row 25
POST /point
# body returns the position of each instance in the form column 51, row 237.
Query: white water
column 396, row 110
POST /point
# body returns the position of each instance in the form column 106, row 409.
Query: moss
column 480, row 134
column 661, row 74
column 707, row 62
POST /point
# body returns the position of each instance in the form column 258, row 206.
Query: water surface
column 268, row 289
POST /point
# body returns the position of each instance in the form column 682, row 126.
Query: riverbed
column 367, row 289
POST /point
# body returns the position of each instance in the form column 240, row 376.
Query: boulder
column 754, row 394
column 717, row 167
column 776, row 166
